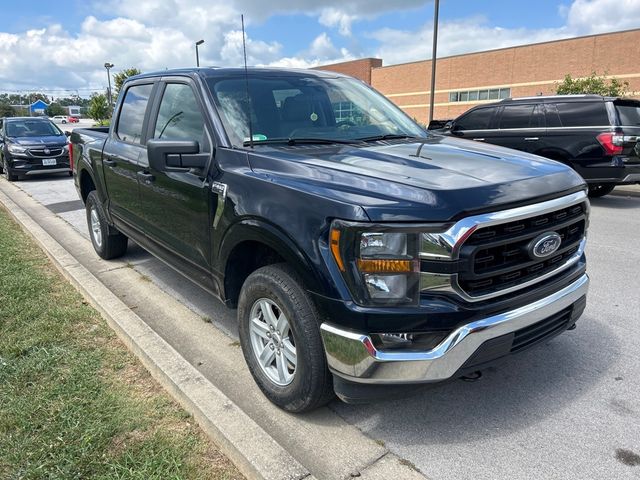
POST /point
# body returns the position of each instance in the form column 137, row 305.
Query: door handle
column 479, row 139
column 109, row 163
column 531, row 139
column 146, row 177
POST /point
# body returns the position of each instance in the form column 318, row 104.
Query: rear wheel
column 281, row 341
column 106, row 244
column 600, row 189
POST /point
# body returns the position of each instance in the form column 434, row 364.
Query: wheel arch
column 251, row 244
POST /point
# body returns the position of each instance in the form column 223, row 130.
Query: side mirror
column 175, row 154
column 67, row 133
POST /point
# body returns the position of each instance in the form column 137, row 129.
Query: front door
column 176, row 205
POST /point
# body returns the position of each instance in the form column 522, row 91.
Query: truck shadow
column 515, row 395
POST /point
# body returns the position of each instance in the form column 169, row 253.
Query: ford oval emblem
column 544, row 245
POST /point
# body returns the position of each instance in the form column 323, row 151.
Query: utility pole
column 433, row 58
column 109, row 66
column 199, row 42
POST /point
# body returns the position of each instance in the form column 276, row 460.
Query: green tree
column 55, row 109
column 98, row 108
column 120, row 77
column 7, row 110
column 593, row 84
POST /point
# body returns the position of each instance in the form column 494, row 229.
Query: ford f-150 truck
column 361, row 252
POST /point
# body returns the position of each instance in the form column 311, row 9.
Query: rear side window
column 519, row 116
column 132, row 113
column 479, row 119
column 179, row 117
column 629, row 114
column 582, row 114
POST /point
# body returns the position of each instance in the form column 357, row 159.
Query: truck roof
column 209, row 72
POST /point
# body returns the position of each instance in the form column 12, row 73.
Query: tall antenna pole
column 433, row 59
column 246, row 78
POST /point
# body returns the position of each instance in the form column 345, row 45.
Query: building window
column 479, row 95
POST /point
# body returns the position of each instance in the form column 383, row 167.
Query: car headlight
column 65, row 149
column 381, row 263
column 16, row 149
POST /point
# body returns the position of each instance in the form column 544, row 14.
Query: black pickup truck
column 361, row 252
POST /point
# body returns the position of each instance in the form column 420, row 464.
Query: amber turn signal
column 384, row 266
column 335, row 248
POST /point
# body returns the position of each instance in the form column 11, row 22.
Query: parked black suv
column 596, row 136
column 360, row 252
column 32, row 146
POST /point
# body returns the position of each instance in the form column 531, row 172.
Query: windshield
column 32, row 128
column 306, row 107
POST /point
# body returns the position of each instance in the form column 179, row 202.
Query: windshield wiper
column 388, row 136
column 300, row 141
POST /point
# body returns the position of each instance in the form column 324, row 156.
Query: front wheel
column 281, row 341
column 6, row 171
column 600, row 189
column 106, row 244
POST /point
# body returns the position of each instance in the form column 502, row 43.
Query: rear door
column 176, row 205
column 572, row 130
column 520, row 126
column 122, row 153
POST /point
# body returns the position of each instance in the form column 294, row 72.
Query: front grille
column 537, row 332
column 39, row 152
column 497, row 257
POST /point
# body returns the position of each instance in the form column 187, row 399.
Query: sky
column 60, row 47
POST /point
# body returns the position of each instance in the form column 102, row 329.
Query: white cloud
column 159, row 34
column 474, row 34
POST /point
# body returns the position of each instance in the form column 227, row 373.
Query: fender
column 253, row 229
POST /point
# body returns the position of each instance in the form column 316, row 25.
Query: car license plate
column 48, row 161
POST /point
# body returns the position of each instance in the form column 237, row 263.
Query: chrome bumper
column 631, row 178
column 353, row 356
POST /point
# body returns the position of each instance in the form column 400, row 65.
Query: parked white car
column 59, row 119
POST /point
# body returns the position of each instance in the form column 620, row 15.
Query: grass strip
column 74, row 403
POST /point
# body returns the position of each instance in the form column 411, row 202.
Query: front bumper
column 353, row 356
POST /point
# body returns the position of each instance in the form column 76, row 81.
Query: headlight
column 65, row 149
column 381, row 263
column 16, row 149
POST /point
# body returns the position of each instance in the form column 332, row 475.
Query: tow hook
column 472, row 377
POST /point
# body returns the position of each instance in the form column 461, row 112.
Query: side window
column 518, row 116
column 132, row 113
column 479, row 119
column 582, row 114
column 551, row 115
column 179, row 117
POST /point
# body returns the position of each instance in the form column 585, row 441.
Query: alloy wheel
column 272, row 341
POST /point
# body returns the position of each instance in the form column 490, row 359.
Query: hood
column 437, row 179
column 44, row 140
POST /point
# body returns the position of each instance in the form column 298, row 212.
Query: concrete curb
column 231, row 429
column 626, row 192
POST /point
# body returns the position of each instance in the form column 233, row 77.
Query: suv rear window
column 582, row 114
column 629, row 113
column 519, row 116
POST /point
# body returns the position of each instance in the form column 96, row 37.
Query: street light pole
column 199, row 42
column 433, row 58
column 109, row 66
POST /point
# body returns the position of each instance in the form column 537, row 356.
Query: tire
column 300, row 388
column 597, row 190
column 107, row 245
column 6, row 171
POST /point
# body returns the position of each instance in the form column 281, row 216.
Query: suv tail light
column 71, row 156
column 611, row 142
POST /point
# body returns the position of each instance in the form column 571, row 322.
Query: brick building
column 463, row 81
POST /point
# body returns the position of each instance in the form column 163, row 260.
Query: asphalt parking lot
column 567, row 409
